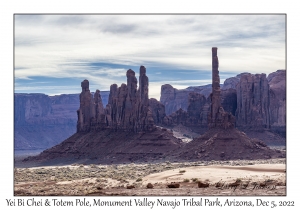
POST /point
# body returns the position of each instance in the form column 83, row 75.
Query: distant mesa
column 42, row 121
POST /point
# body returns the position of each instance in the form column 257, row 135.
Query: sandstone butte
column 124, row 130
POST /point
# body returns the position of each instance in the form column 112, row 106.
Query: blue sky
column 54, row 53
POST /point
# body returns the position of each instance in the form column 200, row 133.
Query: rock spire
column 127, row 109
column 217, row 116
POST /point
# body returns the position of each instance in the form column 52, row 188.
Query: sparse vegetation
column 195, row 179
column 238, row 180
column 84, row 180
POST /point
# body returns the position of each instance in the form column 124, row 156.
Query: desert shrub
column 139, row 180
column 238, row 180
column 182, row 171
column 186, row 180
column 195, row 179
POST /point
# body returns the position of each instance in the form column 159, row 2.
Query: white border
column 8, row 8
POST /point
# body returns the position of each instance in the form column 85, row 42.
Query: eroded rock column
column 218, row 117
column 86, row 110
column 216, row 99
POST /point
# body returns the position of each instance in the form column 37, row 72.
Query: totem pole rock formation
column 124, row 131
column 223, row 141
column 218, row 117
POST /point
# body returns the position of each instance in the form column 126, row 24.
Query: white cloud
column 54, row 46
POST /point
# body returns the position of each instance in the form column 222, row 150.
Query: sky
column 54, row 53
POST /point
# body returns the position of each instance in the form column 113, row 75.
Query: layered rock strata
column 254, row 114
column 277, row 83
column 174, row 99
column 195, row 117
column 127, row 133
column 253, row 102
column 42, row 121
column 158, row 111
column 122, row 132
column 109, row 146
column 223, row 141
column 227, row 144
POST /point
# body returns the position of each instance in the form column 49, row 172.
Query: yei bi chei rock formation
column 127, row 108
column 122, row 132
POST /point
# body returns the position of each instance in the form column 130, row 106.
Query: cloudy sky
column 54, row 53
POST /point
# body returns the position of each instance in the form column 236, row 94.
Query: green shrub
column 139, row 180
column 195, row 179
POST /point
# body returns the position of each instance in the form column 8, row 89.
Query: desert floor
column 240, row 177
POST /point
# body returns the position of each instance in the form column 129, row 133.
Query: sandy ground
column 215, row 174
column 260, row 177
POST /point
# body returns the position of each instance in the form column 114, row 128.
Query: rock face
column 30, row 107
column 195, row 117
column 254, row 114
column 158, row 111
column 122, row 132
column 230, row 83
column 277, row 83
column 218, row 118
column 203, row 89
column 229, row 100
column 91, row 112
column 42, row 121
column 253, row 102
column 222, row 141
column 174, row 99
column 125, row 130
column 127, row 109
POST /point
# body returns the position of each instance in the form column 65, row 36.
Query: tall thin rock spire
column 217, row 116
